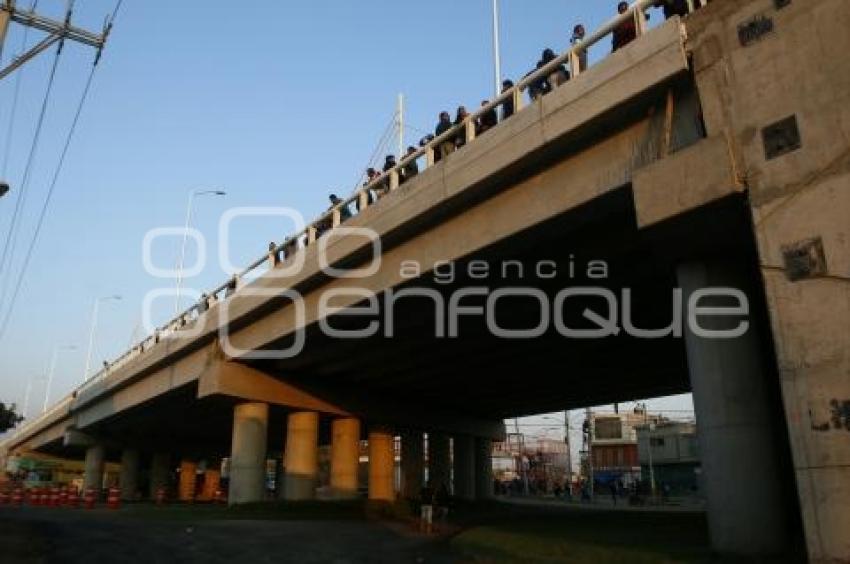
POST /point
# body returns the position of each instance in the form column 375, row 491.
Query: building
column 614, row 445
column 668, row 453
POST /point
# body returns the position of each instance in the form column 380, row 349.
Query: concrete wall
column 801, row 207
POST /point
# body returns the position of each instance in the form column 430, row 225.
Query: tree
column 9, row 417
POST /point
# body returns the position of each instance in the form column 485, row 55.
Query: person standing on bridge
column 410, row 168
column 558, row 76
column 577, row 39
column 487, row 121
column 447, row 146
column 508, row 106
column 626, row 32
column 460, row 118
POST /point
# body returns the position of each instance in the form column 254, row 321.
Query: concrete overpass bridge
column 712, row 152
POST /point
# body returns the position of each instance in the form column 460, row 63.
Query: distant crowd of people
column 379, row 180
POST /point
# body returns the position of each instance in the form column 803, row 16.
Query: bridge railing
column 389, row 181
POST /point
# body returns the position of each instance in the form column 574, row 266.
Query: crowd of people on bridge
column 378, row 182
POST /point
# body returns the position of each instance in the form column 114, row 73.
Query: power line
column 47, row 200
column 11, row 238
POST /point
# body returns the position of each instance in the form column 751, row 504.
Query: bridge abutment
column 248, row 453
column 744, row 498
column 301, row 456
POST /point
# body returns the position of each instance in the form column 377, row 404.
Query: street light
column 192, row 195
column 94, row 314
column 51, row 371
column 497, row 55
column 27, row 394
column 4, row 188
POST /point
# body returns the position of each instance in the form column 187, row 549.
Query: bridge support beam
column 93, row 472
column 188, row 480
column 439, row 472
column 129, row 478
column 483, row 468
column 464, row 467
column 301, row 456
column 345, row 457
column 248, row 453
column 412, row 464
column 381, row 465
column 728, row 378
column 159, row 472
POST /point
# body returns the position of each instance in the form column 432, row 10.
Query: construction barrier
column 73, row 498
column 4, row 498
column 63, row 497
column 113, row 498
column 17, row 497
column 89, row 498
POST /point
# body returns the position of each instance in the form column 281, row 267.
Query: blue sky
column 278, row 103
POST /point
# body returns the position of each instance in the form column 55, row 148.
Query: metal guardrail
column 386, row 182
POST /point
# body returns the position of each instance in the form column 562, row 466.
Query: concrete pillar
column 159, row 473
column 483, row 468
column 188, row 481
column 412, row 464
column 464, row 467
column 439, row 472
column 248, row 453
column 345, row 457
column 381, row 465
column 301, row 456
column 93, row 472
column 745, row 509
column 129, row 479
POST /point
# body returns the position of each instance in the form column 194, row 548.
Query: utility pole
column 57, row 32
column 497, row 50
column 400, row 127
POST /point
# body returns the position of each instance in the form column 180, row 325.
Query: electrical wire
column 57, row 172
column 45, row 207
column 11, row 238
column 15, row 97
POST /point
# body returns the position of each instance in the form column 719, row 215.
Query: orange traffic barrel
column 73, row 498
column 113, row 499
column 88, row 499
column 160, row 496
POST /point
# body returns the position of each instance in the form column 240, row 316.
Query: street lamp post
column 51, row 371
column 192, row 195
column 93, row 330
column 497, row 55
column 27, row 395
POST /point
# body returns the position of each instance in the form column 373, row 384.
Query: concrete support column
column 412, row 464
column 188, row 480
column 159, row 473
column 93, row 472
column 129, row 479
column 301, row 457
column 248, row 453
column 464, row 467
column 439, row 471
column 381, row 465
column 345, row 457
column 745, row 509
column 483, row 468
